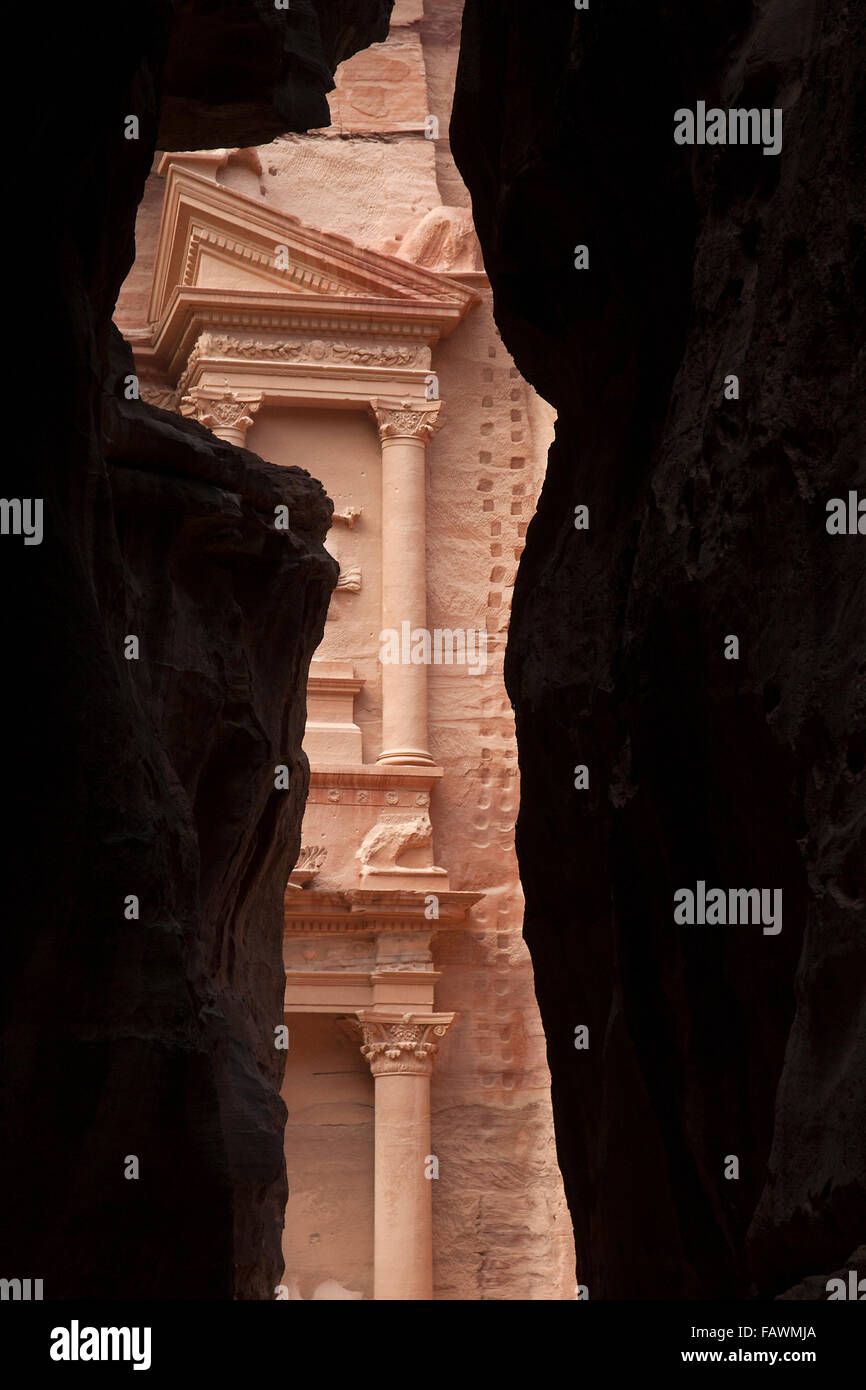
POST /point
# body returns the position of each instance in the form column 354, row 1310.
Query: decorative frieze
column 314, row 350
column 374, row 796
column 304, row 351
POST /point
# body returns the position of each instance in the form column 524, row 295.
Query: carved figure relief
column 350, row 574
column 394, row 833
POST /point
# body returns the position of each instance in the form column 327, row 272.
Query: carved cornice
column 373, row 776
column 404, row 421
column 333, row 685
column 362, row 911
column 311, row 278
column 404, row 1045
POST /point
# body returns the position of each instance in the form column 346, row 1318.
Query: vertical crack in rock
column 706, row 519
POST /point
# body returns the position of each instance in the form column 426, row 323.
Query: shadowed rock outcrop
column 244, row 71
column 147, row 786
column 706, row 519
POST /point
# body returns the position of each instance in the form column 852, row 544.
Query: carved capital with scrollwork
column 406, row 421
column 402, row 1044
column 224, row 412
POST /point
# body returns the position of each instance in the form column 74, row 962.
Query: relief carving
column 314, row 350
column 394, row 833
column 224, row 411
column 163, row 396
column 200, row 350
column 310, row 860
column 405, row 1047
column 405, row 421
column 350, row 575
column 350, row 579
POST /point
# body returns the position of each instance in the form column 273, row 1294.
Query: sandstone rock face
column 706, row 519
column 150, row 1037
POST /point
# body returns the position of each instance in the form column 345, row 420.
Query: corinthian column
column 404, row 431
column 226, row 415
column 400, row 1049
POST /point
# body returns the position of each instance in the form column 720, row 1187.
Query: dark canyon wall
column 149, row 778
column 706, row 520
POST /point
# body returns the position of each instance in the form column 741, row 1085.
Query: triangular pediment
column 214, row 238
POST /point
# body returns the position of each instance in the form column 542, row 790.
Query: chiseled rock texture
column 154, row 778
column 707, row 518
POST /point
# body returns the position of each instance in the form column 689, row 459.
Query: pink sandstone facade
column 322, row 301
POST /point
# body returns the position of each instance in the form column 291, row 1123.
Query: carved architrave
column 406, row 421
column 403, row 1047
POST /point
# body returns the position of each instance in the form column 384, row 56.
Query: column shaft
column 404, row 599
column 403, row 1255
column 400, row 1050
column 404, row 431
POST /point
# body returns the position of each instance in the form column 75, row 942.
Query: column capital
column 402, row 1043
column 406, row 420
column 223, row 412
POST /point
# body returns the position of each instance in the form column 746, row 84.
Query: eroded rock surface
column 153, row 778
column 707, row 518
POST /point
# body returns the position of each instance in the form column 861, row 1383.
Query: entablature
column 364, row 912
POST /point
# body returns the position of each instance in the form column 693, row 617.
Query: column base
column 408, row 757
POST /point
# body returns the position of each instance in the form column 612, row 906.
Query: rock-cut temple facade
column 322, row 302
